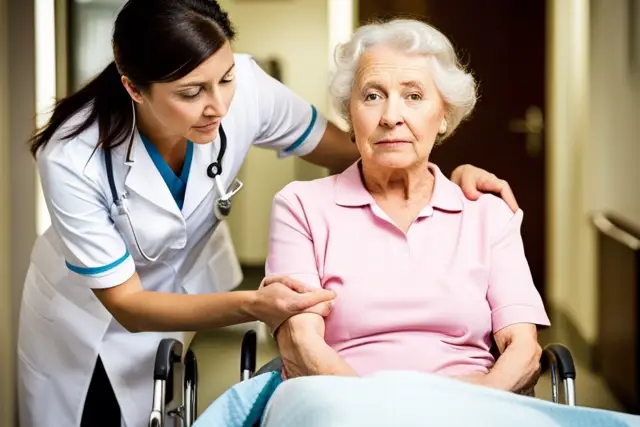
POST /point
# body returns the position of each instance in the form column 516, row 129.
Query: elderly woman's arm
column 304, row 352
column 518, row 366
column 292, row 254
column 516, row 306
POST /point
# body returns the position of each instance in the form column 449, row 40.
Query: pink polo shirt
column 427, row 301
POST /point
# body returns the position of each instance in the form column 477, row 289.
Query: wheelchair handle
column 169, row 352
column 248, row 353
column 562, row 357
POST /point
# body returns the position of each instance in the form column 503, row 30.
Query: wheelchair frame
column 556, row 359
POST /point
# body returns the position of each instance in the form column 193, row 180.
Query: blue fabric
column 411, row 399
column 305, row 134
column 405, row 399
column 243, row 404
column 177, row 184
column 90, row 271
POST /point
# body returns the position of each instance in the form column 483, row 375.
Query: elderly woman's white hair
column 456, row 86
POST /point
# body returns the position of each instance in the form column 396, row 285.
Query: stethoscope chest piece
column 222, row 206
column 214, row 170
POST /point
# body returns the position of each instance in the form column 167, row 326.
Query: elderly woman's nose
column 392, row 114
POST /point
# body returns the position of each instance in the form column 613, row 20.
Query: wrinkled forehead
column 387, row 65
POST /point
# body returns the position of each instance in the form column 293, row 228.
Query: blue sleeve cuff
column 306, row 133
column 92, row 271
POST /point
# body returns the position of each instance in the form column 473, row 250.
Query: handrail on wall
column 617, row 228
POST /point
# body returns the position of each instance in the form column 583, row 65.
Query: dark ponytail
column 110, row 107
column 177, row 36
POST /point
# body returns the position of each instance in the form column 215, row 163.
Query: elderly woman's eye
column 415, row 97
column 372, row 97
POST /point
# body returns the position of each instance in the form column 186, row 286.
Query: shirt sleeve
column 288, row 124
column 512, row 295
column 92, row 246
column 291, row 249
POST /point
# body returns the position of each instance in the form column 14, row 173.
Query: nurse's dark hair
column 154, row 41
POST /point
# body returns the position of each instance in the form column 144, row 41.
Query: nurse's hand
column 279, row 298
column 474, row 181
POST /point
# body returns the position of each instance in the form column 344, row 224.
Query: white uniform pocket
column 149, row 232
column 37, row 313
column 34, row 394
column 217, row 268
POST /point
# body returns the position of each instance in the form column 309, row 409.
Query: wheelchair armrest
column 248, row 354
column 559, row 355
column 169, row 352
column 272, row 366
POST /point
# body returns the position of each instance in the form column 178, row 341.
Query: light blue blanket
column 404, row 399
column 243, row 404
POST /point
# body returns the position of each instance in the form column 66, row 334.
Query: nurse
column 138, row 170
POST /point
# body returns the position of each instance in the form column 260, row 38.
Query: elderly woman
column 424, row 277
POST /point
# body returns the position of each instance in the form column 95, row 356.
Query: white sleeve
column 92, row 246
column 288, row 123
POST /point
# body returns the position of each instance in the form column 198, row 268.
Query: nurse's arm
column 335, row 151
column 139, row 310
column 284, row 117
column 304, row 351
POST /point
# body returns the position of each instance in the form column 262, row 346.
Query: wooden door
column 503, row 42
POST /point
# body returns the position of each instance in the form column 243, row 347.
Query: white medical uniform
column 63, row 326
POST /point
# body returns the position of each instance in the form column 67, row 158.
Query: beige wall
column 17, row 179
column 6, row 310
column 570, row 288
column 593, row 145
column 297, row 33
column 615, row 105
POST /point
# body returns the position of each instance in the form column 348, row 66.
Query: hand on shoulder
column 475, row 182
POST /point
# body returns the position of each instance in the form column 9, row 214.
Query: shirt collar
column 350, row 190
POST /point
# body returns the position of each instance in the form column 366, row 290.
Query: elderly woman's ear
column 443, row 127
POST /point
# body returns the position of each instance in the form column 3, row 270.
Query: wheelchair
column 175, row 398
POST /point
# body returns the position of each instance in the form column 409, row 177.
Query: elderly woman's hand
column 518, row 367
column 474, row 181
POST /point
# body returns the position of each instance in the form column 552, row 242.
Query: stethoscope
column 222, row 203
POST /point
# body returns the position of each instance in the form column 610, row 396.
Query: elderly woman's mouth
column 392, row 142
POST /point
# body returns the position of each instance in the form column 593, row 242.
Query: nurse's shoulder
column 275, row 117
column 75, row 189
column 68, row 158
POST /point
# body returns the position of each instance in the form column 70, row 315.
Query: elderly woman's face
column 395, row 107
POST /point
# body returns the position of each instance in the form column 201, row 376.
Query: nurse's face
column 193, row 106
